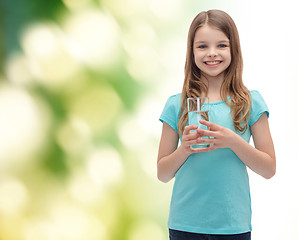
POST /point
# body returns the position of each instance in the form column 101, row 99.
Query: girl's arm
column 260, row 159
column 170, row 158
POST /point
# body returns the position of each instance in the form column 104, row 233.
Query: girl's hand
column 222, row 137
column 190, row 138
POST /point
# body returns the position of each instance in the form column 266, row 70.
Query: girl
column 211, row 196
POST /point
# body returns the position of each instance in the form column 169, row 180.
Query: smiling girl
column 211, row 194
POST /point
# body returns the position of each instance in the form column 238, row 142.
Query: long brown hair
column 232, row 85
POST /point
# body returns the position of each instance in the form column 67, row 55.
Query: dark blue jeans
column 180, row 235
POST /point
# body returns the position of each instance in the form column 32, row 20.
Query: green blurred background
column 79, row 107
column 82, row 84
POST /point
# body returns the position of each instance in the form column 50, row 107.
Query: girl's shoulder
column 174, row 100
column 254, row 93
column 258, row 106
column 171, row 111
column 175, row 97
column 256, row 96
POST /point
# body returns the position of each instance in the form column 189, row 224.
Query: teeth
column 212, row 63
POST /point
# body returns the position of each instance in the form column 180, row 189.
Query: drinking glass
column 198, row 109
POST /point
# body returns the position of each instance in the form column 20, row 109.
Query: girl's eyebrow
column 221, row 41
column 224, row 41
column 200, row 42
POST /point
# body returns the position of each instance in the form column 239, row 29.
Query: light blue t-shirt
column 211, row 192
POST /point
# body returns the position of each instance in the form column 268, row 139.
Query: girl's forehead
column 209, row 33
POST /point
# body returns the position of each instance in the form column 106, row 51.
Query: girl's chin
column 209, row 75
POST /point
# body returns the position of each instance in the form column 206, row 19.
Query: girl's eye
column 222, row 45
column 202, row 46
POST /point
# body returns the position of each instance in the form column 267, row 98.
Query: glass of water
column 198, row 109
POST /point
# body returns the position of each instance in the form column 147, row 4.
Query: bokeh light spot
column 140, row 42
column 13, row 195
column 131, row 133
column 50, row 60
column 98, row 107
column 74, row 136
column 22, row 126
column 84, row 190
column 95, row 35
column 165, row 10
column 74, row 223
column 104, row 166
column 148, row 111
column 146, row 230
column 40, row 228
column 18, row 70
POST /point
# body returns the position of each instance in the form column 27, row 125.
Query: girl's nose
column 212, row 52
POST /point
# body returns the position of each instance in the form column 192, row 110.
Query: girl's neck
column 214, row 86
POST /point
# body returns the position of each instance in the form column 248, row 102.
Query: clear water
column 193, row 119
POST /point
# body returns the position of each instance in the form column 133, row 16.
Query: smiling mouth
column 211, row 63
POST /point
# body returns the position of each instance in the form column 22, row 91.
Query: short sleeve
column 171, row 111
column 258, row 107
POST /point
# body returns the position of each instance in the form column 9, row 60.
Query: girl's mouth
column 212, row 63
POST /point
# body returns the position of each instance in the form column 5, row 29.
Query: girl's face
column 211, row 51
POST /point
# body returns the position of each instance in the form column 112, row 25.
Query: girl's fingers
column 207, row 149
column 187, row 135
column 197, row 141
column 188, row 128
column 205, row 140
column 206, row 133
column 193, row 142
column 211, row 125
